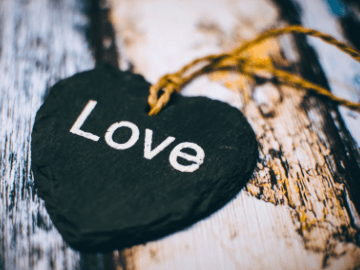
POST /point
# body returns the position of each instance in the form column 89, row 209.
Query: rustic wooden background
column 300, row 210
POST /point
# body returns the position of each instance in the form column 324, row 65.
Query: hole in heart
column 160, row 93
column 147, row 108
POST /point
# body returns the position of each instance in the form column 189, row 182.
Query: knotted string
column 236, row 60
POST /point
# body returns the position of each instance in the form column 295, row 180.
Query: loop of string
column 236, row 60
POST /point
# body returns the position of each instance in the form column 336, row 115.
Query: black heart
column 101, row 198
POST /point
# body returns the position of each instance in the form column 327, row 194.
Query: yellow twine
column 243, row 64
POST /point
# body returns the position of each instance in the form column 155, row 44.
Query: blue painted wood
column 41, row 41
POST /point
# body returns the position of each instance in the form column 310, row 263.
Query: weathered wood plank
column 295, row 212
column 41, row 41
column 343, row 72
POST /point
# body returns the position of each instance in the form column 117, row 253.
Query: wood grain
column 42, row 41
column 343, row 72
column 342, row 78
column 297, row 210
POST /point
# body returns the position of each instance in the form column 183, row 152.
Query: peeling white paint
column 39, row 45
column 342, row 71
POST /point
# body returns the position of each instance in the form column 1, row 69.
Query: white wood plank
column 292, row 213
column 342, row 72
column 41, row 42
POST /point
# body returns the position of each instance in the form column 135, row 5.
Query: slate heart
column 112, row 176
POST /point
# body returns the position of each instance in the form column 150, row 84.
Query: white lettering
column 121, row 146
column 198, row 159
column 81, row 119
column 148, row 153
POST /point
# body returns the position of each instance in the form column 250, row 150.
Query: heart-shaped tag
column 112, row 176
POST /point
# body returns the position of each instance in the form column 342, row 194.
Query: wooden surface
column 42, row 41
column 343, row 72
column 299, row 209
